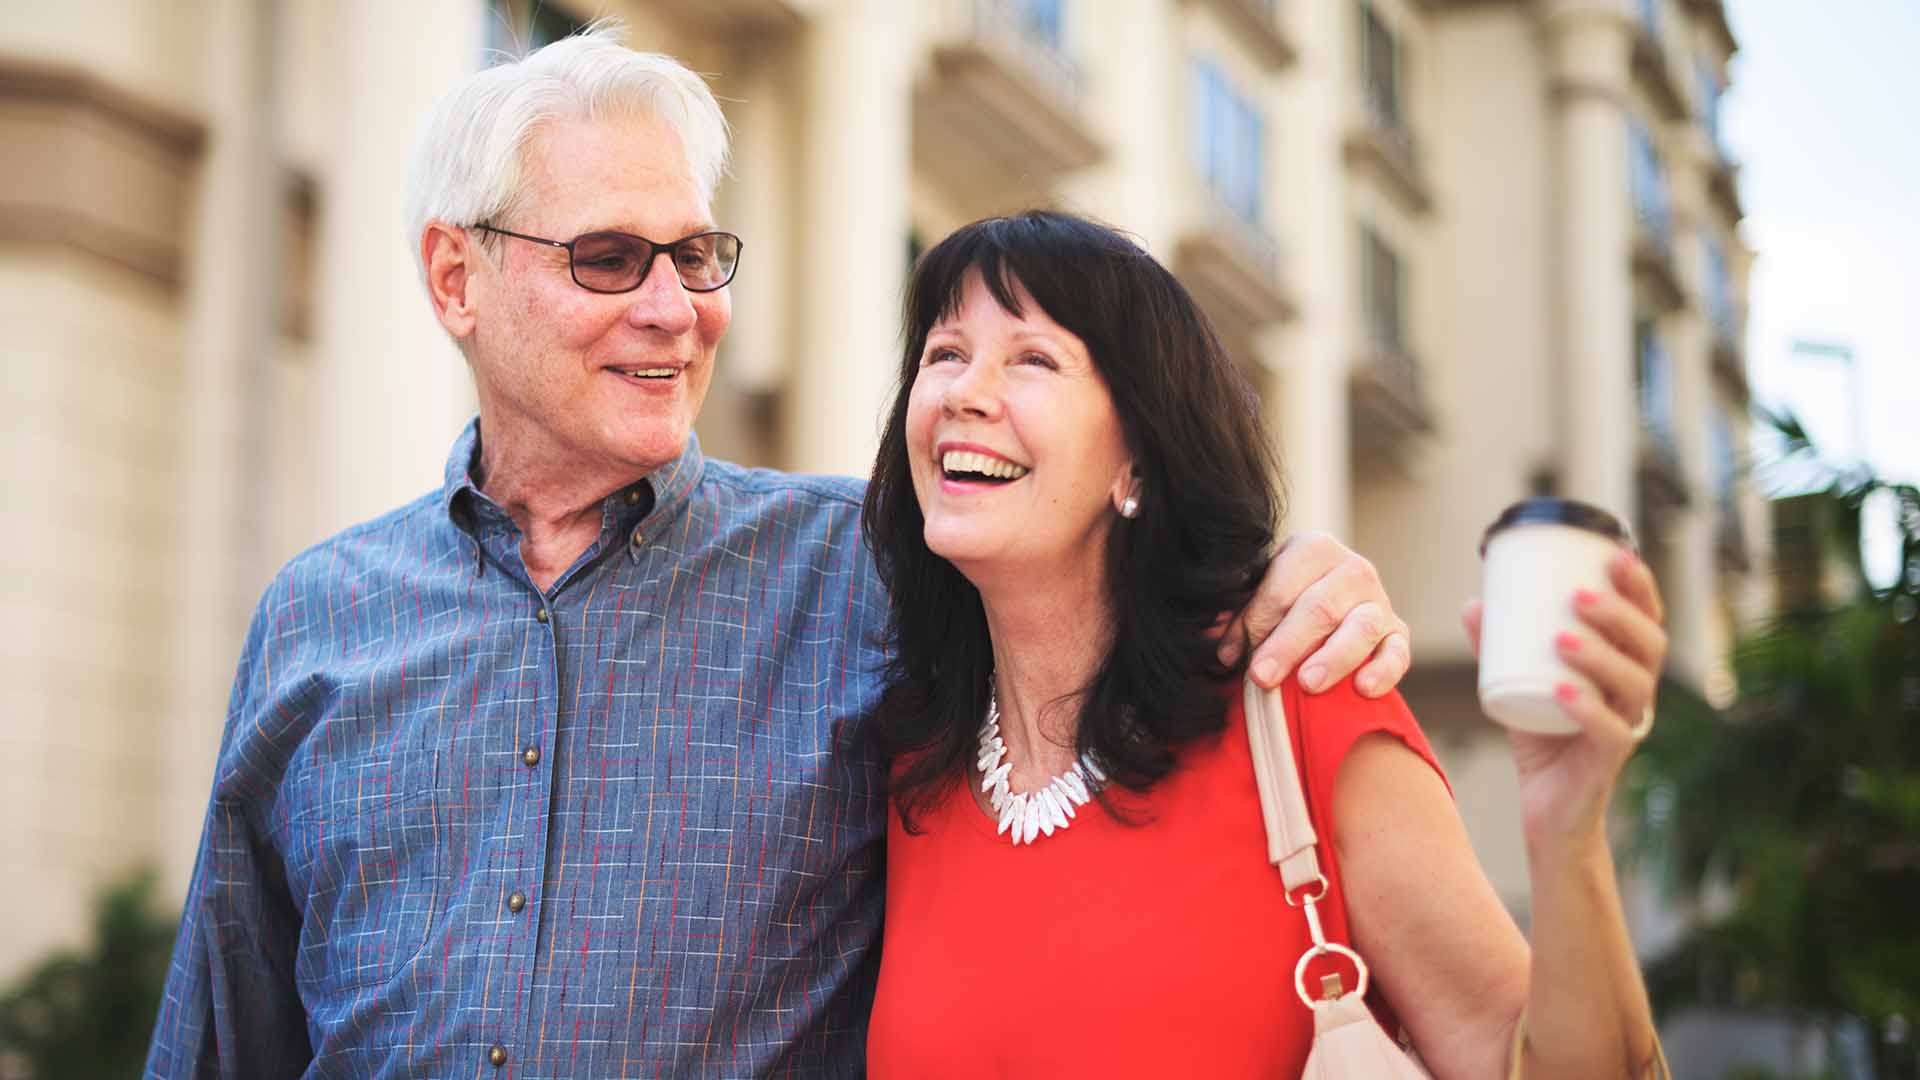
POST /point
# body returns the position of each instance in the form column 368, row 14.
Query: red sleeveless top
column 1164, row 947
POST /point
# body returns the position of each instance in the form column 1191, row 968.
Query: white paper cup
column 1534, row 556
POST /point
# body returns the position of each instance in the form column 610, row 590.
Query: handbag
column 1348, row 1042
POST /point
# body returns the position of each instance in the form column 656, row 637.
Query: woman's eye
column 935, row 356
column 1040, row 360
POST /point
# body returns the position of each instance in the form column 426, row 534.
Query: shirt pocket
column 367, row 863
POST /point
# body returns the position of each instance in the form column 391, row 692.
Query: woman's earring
column 1129, row 507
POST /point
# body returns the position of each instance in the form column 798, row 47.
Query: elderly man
column 549, row 772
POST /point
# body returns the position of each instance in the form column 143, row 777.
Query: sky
column 1823, row 115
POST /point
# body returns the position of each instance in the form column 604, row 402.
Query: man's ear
column 451, row 257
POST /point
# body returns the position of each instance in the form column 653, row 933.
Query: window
column 1649, row 11
column 1229, row 142
column 1648, row 181
column 1041, row 19
column 1380, row 69
column 1719, row 294
column 1707, row 107
column 1653, row 378
column 1382, row 290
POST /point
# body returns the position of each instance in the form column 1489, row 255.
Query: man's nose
column 660, row 301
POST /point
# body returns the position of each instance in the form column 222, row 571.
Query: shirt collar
column 671, row 484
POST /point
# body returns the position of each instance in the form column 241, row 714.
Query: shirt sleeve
column 231, row 1008
column 1331, row 723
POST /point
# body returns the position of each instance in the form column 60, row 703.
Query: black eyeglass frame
column 654, row 248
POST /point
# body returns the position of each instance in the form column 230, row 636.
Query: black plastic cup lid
column 1544, row 510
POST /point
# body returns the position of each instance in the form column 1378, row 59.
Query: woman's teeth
column 650, row 373
column 967, row 462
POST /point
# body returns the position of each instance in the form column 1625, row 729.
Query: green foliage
column 1801, row 802
column 90, row 1012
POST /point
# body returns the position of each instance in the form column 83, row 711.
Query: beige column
column 854, row 172
column 1590, row 43
column 1130, row 51
column 756, row 202
column 392, row 389
column 1692, row 591
column 1307, row 360
column 232, row 327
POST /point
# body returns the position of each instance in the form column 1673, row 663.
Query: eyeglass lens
column 616, row 262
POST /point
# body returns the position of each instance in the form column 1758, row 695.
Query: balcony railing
column 1010, row 25
column 999, row 105
column 1234, row 266
column 1380, row 140
column 1262, row 27
column 1249, row 237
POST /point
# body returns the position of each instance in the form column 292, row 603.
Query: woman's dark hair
column 1209, row 507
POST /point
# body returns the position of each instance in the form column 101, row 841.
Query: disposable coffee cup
column 1533, row 558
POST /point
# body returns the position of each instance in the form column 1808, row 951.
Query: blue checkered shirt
column 463, row 828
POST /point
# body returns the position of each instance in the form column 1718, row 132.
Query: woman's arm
column 1446, row 953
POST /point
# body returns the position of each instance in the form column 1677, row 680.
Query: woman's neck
column 1048, row 644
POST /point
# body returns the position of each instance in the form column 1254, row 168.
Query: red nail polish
column 1565, row 692
column 1567, row 641
column 1585, row 597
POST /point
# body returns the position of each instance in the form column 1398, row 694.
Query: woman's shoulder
column 1326, row 725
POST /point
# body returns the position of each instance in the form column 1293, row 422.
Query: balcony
column 1729, row 355
column 1234, row 269
column 1261, row 25
column 1653, row 266
column 1378, row 142
column 1652, row 66
column 997, row 114
column 1388, row 401
column 1663, row 482
column 1714, row 12
column 1723, row 187
column 736, row 16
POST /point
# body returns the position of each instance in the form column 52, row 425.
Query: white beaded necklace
column 1030, row 814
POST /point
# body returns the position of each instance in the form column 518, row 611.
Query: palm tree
column 1800, row 803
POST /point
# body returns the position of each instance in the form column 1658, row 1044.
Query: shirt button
column 543, row 615
column 633, row 496
column 516, row 902
column 497, row 1055
column 531, row 755
column 639, row 538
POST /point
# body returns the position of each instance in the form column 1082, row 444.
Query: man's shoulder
column 373, row 543
column 830, row 493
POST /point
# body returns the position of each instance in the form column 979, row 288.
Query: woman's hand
column 1567, row 780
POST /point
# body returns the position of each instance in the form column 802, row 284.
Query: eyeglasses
column 617, row 262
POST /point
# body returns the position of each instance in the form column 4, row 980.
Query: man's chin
column 654, row 445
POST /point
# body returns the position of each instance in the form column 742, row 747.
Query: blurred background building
column 1468, row 250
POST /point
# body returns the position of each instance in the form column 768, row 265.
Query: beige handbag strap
column 1290, row 836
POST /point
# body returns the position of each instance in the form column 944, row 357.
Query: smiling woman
column 1073, row 484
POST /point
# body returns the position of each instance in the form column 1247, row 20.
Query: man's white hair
column 469, row 157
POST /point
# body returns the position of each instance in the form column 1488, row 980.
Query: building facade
column 1466, row 249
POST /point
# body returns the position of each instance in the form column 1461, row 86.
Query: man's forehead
column 627, row 173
